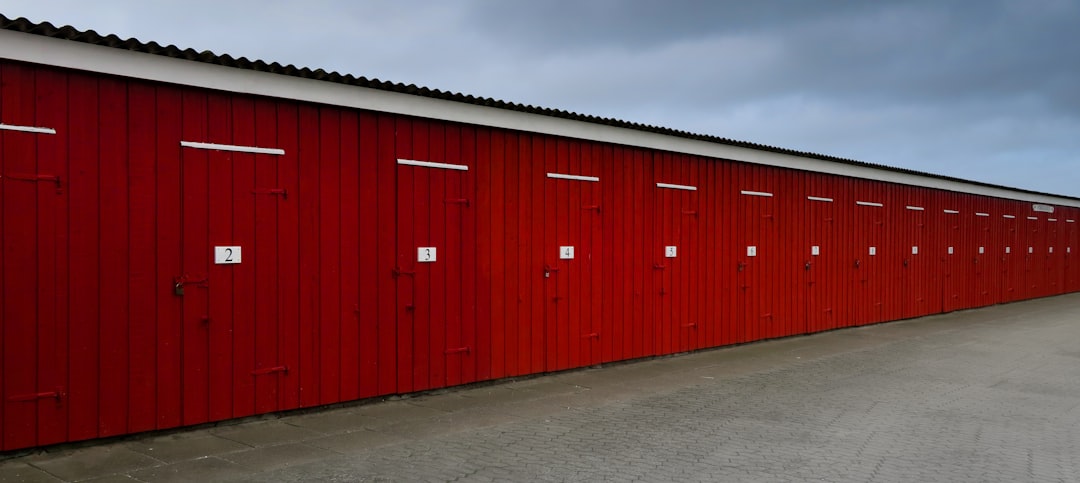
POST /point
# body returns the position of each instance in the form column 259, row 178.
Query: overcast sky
column 984, row 90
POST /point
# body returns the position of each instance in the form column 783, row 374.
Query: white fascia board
column 107, row 60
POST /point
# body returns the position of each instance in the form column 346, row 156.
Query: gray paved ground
column 984, row 395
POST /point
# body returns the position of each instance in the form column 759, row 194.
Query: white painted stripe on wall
column 1033, row 218
column 572, row 177
column 982, row 214
column 817, row 198
column 92, row 58
column 232, row 147
column 429, row 164
column 676, row 186
column 33, row 129
column 1008, row 216
column 952, row 212
column 916, row 208
column 1052, row 219
column 868, row 203
column 1070, row 221
column 755, row 193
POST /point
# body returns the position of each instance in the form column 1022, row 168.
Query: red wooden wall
column 104, row 221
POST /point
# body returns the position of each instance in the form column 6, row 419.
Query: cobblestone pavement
column 983, row 395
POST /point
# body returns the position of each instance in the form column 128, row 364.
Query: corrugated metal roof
column 91, row 37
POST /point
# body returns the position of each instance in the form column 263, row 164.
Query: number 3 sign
column 425, row 254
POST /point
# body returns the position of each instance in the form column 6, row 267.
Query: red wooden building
column 189, row 238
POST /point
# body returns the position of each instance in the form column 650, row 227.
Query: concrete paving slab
column 448, row 423
column 112, row 479
column 91, row 462
column 355, row 442
column 23, row 473
column 202, row 470
column 498, row 395
column 265, row 433
column 546, row 386
column 444, row 402
column 185, row 446
column 274, row 457
column 392, row 412
column 333, row 421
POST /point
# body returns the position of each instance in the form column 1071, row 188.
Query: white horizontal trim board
column 816, row 198
column 39, row 49
column 33, row 129
column 676, row 186
column 429, row 164
column 868, row 203
column 755, row 193
column 952, row 212
column 982, row 214
column 1008, row 216
column 573, row 177
column 1052, row 219
column 916, row 208
column 1033, row 218
column 232, row 147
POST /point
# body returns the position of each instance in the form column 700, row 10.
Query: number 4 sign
column 566, row 253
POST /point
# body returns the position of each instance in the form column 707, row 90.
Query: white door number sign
column 669, row 251
column 566, row 253
column 425, row 254
column 226, row 255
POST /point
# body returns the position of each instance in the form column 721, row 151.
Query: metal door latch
column 180, row 282
column 548, row 269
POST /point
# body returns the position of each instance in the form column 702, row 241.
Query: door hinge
column 56, row 394
column 270, row 370
column 282, row 192
column 37, row 178
column 398, row 272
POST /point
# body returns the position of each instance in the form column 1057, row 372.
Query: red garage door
column 434, row 296
column 230, row 264
column 572, row 249
column 678, row 263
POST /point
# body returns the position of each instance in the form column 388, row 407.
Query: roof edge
column 735, row 150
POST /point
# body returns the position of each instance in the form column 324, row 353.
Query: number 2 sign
column 226, row 255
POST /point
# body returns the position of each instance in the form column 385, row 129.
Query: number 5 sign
column 425, row 254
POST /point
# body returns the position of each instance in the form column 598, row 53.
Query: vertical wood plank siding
column 108, row 221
